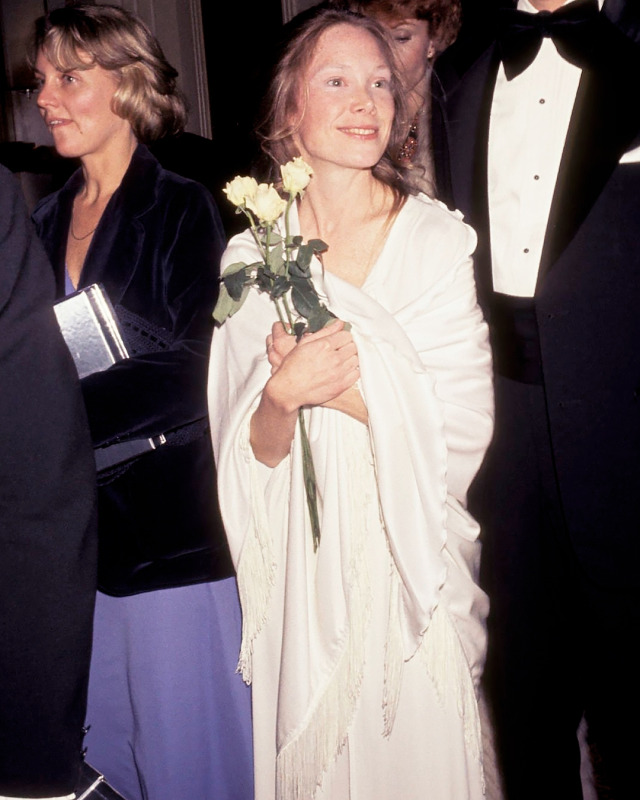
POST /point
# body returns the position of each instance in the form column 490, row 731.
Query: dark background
column 239, row 49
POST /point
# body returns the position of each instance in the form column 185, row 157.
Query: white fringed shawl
column 425, row 378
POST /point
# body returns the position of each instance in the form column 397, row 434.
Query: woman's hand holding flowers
column 280, row 344
column 313, row 358
column 316, row 369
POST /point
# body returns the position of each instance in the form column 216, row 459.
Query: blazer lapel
column 116, row 247
column 54, row 237
column 469, row 115
column 605, row 121
column 114, row 252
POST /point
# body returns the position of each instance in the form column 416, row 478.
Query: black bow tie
column 571, row 28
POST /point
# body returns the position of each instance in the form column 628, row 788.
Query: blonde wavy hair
column 82, row 36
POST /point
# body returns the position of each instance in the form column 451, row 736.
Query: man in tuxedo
column 47, row 530
column 537, row 139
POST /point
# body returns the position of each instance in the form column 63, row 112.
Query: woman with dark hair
column 364, row 654
column 420, row 30
column 168, row 719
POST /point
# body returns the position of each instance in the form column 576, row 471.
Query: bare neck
column 352, row 216
column 103, row 172
column 340, row 197
column 547, row 5
column 417, row 97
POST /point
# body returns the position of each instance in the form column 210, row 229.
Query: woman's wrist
column 277, row 393
column 272, row 425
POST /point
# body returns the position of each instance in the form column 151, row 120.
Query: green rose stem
column 288, row 246
column 309, row 476
column 308, row 470
column 244, row 192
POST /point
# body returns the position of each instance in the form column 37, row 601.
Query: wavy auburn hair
column 287, row 97
column 81, row 36
column 444, row 16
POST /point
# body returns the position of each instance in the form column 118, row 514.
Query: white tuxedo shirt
column 530, row 116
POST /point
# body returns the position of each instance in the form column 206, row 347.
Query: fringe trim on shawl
column 447, row 666
column 304, row 760
column 393, row 654
column 256, row 571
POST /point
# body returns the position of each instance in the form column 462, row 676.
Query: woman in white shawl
column 365, row 654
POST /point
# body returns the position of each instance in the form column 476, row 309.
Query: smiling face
column 347, row 101
column 76, row 107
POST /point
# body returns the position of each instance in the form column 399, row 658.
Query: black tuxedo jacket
column 157, row 252
column 47, row 524
column 587, row 298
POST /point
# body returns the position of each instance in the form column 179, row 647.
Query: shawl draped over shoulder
column 426, row 381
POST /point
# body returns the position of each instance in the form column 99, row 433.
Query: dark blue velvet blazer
column 587, row 299
column 156, row 251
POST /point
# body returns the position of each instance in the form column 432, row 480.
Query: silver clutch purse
column 92, row 333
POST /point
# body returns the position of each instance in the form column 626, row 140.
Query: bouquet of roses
column 283, row 272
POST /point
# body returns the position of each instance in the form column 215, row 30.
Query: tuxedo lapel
column 480, row 188
column 605, row 121
column 625, row 15
column 465, row 82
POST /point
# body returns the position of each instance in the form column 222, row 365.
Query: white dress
column 365, row 655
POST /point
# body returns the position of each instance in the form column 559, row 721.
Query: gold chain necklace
column 80, row 238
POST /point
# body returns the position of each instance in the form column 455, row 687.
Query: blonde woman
column 168, row 717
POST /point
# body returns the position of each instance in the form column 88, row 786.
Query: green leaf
column 303, row 259
column 294, row 270
column 317, row 245
column 319, row 318
column 239, row 265
column 264, row 279
column 280, row 287
column 304, row 296
column 275, row 259
column 226, row 306
column 235, row 282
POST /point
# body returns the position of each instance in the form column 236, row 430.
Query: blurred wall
column 176, row 23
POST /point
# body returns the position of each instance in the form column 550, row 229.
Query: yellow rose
column 266, row 203
column 240, row 189
column 296, row 175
